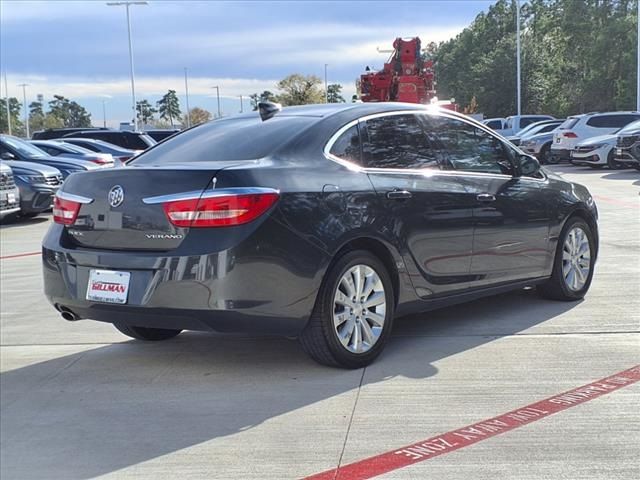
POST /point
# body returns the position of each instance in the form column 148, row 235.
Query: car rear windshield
column 568, row 123
column 242, row 138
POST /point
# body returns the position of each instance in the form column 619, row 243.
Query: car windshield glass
column 242, row 138
column 23, row 148
column 632, row 127
column 569, row 123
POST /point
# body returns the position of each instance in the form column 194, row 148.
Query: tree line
column 61, row 112
column 577, row 56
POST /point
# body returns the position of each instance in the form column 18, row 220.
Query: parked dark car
column 9, row 193
column 58, row 148
column 52, row 133
column 161, row 134
column 37, row 183
column 330, row 222
column 118, row 153
column 13, row 148
column 121, row 138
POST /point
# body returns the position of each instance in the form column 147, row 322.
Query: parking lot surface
column 79, row 400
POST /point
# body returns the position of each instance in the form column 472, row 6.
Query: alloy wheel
column 576, row 259
column 359, row 309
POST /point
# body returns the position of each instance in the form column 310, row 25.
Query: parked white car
column 628, row 145
column 579, row 128
column 515, row 123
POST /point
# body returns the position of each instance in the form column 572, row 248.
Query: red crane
column 406, row 77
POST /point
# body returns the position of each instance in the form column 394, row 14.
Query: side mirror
column 7, row 156
column 528, row 166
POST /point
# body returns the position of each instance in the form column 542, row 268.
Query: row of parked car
column 33, row 171
column 593, row 139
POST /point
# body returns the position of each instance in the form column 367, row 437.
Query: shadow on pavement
column 104, row 409
column 24, row 222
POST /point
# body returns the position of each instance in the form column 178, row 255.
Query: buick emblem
column 116, row 196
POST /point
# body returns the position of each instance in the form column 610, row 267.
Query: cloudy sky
column 79, row 48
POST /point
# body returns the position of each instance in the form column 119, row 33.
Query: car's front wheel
column 353, row 315
column 573, row 264
column 148, row 334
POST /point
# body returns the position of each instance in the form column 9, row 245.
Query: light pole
column 186, row 89
column 326, row 87
column 638, row 63
column 218, row 96
column 24, row 100
column 241, row 105
column 104, row 113
column 127, row 4
column 6, row 92
column 518, row 54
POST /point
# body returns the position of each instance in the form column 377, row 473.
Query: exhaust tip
column 67, row 314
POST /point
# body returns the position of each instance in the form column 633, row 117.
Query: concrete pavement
column 82, row 401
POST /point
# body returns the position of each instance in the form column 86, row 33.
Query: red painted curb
column 20, row 255
column 463, row 437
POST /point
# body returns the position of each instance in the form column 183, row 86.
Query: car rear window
column 569, row 123
column 242, row 138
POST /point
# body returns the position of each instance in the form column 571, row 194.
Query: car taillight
column 569, row 135
column 219, row 211
column 100, row 160
column 65, row 212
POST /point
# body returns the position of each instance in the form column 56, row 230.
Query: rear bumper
column 252, row 287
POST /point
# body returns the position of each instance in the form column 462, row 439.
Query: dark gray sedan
column 323, row 221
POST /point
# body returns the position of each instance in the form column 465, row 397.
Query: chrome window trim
column 219, row 193
column 73, row 198
column 425, row 171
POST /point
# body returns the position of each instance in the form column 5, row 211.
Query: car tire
column 612, row 163
column 552, row 159
column 636, row 166
column 147, row 334
column 545, row 154
column 562, row 285
column 335, row 329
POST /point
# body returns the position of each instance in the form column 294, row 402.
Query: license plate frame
column 108, row 286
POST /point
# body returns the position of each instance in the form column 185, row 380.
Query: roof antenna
column 268, row 109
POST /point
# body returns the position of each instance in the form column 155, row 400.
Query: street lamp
column 24, row 101
column 186, row 89
column 127, row 4
column 326, row 87
column 6, row 92
column 218, row 96
column 519, row 99
column 241, row 105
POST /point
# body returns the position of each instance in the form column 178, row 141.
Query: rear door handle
column 485, row 198
column 398, row 194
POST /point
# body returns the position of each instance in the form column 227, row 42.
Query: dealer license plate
column 108, row 286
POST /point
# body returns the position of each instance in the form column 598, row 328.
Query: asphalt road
column 79, row 400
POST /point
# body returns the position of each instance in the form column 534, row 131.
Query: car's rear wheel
column 148, row 334
column 573, row 264
column 353, row 315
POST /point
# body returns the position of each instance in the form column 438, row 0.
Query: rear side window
column 611, row 121
column 495, row 124
column 242, row 138
column 398, row 142
column 347, row 146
